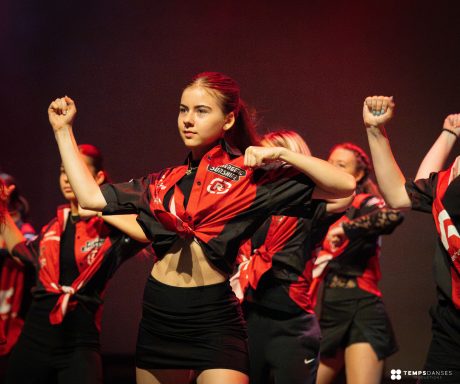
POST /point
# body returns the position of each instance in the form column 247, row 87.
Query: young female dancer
column 197, row 215
column 73, row 258
column 274, row 276
column 16, row 279
column 437, row 193
column 356, row 330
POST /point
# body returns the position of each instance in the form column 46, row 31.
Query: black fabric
column 30, row 363
column 282, row 346
column 444, row 350
column 191, row 328
column 78, row 329
column 185, row 185
column 274, row 294
column 68, row 269
column 352, row 321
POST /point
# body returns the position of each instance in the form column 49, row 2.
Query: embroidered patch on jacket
column 218, row 186
column 229, row 171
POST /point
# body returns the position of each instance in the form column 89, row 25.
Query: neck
column 74, row 207
column 198, row 153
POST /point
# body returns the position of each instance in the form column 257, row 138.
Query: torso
column 186, row 265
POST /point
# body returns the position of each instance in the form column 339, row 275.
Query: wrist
column 63, row 132
column 283, row 154
column 376, row 130
column 450, row 132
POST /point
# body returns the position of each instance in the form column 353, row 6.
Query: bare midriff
column 185, row 265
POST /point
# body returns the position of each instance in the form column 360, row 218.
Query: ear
column 229, row 121
column 100, row 177
column 359, row 175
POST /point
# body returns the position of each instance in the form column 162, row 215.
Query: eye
column 182, row 109
column 202, row 111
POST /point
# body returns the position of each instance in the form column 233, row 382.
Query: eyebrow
column 197, row 106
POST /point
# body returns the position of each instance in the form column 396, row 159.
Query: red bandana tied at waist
column 91, row 242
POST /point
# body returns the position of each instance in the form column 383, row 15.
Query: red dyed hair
column 227, row 91
column 95, row 155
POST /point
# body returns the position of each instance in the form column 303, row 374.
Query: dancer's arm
column 61, row 113
column 330, row 181
column 436, row 157
column 377, row 111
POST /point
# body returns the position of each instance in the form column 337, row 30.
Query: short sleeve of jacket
column 290, row 191
column 132, row 197
column 422, row 192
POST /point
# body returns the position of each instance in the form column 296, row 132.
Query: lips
column 189, row 134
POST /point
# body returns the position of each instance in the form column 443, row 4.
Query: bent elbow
column 89, row 203
column 348, row 187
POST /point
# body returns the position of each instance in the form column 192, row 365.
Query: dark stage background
column 303, row 65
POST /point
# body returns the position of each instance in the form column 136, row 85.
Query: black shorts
column 351, row 321
column 34, row 363
column 443, row 360
column 194, row 328
column 282, row 345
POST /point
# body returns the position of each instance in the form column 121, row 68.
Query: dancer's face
column 346, row 160
column 66, row 189
column 201, row 121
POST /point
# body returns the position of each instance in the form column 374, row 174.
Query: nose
column 188, row 120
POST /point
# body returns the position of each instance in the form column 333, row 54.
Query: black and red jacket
column 15, row 283
column 226, row 204
column 99, row 249
column 363, row 224
column 423, row 193
column 275, row 265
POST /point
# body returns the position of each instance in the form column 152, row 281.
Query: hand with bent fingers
column 452, row 123
column 336, row 236
column 377, row 110
column 61, row 113
column 259, row 156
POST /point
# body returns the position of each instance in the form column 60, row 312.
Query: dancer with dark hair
column 436, row 192
column 16, row 279
column 196, row 216
column 356, row 329
column 73, row 259
column 273, row 281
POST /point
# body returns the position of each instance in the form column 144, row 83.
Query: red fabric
column 253, row 266
column 447, row 231
column 11, row 296
column 11, row 293
column 91, row 242
column 207, row 213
